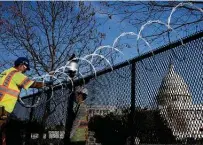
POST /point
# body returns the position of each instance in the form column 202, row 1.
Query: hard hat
column 22, row 60
column 82, row 90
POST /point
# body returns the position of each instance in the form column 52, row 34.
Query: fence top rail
column 148, row 54
column 133, row 60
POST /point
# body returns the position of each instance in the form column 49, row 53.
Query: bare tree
column 47, row 32
column 186, row 19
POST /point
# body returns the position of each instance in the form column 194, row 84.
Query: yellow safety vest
column 11, row 82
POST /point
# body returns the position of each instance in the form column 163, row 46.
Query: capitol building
column 175, row 103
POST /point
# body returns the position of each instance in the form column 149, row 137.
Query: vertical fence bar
column 159, row 131
column 28, row 132
column 45, row 116
column 69, row 118
column 132, row 108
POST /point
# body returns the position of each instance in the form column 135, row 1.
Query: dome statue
column 172, row 98
column 173, row 89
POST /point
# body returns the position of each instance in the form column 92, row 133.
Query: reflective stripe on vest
column 1, row 95
column 25, row 82
column 6, row 90
column 4, row 87
column 83, row 124
column 8, row 78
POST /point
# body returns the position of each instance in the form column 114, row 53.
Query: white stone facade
column 175, row 102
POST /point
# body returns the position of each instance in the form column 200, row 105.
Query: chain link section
column 168, row 102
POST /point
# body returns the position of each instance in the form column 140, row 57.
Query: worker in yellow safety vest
column 12, row 81
column 79, row 132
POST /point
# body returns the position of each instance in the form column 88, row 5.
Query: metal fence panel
column 167, row 88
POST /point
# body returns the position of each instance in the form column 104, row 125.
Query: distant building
column 100, row 110
column 175, row 102
column 92, row 111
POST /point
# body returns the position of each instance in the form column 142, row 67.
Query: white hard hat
column 82, row 90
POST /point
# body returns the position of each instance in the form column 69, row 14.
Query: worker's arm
column 41, row 84
column 24, row 82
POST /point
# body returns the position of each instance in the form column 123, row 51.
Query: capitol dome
column 173, row 88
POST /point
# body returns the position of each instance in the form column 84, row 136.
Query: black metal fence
column 152, row 99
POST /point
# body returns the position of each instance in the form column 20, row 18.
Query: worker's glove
column 48, row 83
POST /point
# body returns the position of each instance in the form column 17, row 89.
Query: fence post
column 45, row 115
column 28, row 131
column 69, row 117
column 132, row 108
